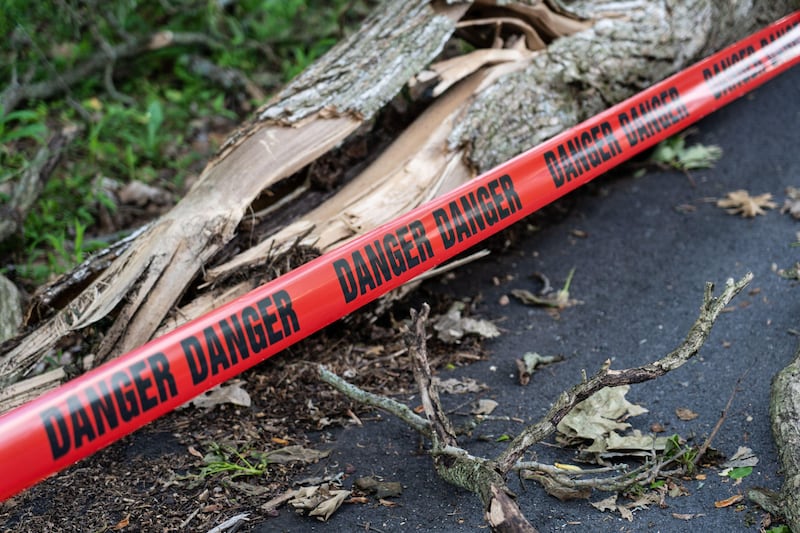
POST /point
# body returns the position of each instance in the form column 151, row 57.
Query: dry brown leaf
column 740, row 202
column 228, row 393
column 625, row 513
column 320, row 501
column 727, row 502
column 451, row 327
column 295, row 453
column 607, row 504
column 324, row 510
column 279, row 500
column 484, row 406
column 744, row 456
column 792, row 203
column 125, row 522
column 674, row 490
column 685, row 413
column 626, row 510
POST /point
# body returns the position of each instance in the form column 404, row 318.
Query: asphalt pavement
column 642, row 249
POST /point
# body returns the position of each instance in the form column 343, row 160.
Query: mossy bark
column 785, row 415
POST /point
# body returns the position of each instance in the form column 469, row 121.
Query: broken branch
column 398, row 409
column 486, row 477
column 605, row 377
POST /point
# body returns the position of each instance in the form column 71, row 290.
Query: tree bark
column 500, row 108
column 784, row 410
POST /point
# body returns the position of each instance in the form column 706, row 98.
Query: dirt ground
column 642, row 248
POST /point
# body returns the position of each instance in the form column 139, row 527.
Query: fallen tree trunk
column 503, row 98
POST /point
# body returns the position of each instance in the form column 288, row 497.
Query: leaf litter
column 740, row 464
column 320, row 501
column 452, row 326
column 626, row 510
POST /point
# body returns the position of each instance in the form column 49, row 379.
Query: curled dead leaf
column 325, row 509
column 743, row 457
column 125, row 522
column 530, row 361
column 319, row 500
column 727, row 502
column 193, row 451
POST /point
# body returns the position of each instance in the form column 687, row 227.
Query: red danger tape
column 100, row 407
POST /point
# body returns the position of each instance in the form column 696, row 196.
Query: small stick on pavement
column 704, row 448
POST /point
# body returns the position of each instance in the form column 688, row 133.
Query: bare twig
column 704, row 448
column 454, row 464
column 442, row 432
column 398, row 409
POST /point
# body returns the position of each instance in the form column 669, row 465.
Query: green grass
column 147, row 126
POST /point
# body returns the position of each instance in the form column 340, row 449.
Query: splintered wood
column 533, row 71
